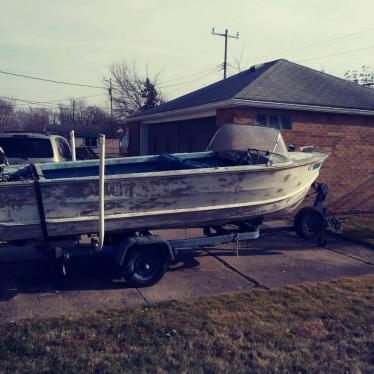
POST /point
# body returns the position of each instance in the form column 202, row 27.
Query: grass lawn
column 326, row 328
column 360, row 227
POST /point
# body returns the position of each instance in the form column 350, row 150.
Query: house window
column 276, row 121
column 261, row 120
column 286, row 122
column 273, row 121
column 90, row 142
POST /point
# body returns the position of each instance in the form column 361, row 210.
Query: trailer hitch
column 321, row 189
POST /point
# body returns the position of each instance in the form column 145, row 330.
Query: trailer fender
column 129, row 243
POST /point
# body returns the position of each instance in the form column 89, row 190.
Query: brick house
column 310, row 108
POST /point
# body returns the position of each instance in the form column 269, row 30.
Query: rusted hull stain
column 71, row 207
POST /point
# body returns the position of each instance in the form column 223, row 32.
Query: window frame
column 281, row 119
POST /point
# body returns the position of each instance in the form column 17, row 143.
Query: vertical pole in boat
column 72, row 145
column 275, row 147
column 101, row 192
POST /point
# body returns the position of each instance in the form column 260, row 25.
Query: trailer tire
column 143, row 267
column 309, row 223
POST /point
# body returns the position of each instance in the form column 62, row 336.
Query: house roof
column 278, row 82
column 88, row 131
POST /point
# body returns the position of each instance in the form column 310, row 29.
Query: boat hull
column 170, row 199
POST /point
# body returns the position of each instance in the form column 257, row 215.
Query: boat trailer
column 142, row 258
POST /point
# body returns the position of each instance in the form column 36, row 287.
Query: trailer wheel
column 144, row 267
column 309, row 223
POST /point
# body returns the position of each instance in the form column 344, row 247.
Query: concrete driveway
column 29, row 289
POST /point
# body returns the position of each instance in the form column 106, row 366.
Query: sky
column 78, row 40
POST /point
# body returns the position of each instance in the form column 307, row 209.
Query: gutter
column 247, row 103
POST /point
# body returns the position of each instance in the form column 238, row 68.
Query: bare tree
column 25, row 119
column 78, row 114
column 71, row 113
column 7, row 114
column 364, row 76
column 32, row 119
column 129, row 89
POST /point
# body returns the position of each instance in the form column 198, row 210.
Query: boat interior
column 147, row 164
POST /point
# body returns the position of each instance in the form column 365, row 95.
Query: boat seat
column 189, row 164
column 167, row 161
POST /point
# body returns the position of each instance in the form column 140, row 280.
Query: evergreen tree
column 150, row 95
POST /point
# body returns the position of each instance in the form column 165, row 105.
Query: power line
column 58, row 100
column 71, row 98
column 216, row 69
column 209, row 71
column 191, row 75
column 28, row 101
column 311, row 45
column 98, row 87
column 50, row 80
column 31, row 106
column 47, row 103
column 336, row 54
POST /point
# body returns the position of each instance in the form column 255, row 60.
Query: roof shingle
column 278, row 81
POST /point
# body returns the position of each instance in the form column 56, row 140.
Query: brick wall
column 244, row 116
column 349, row 171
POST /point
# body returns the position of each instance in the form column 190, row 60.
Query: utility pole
column 226, row 35
column 111, row 100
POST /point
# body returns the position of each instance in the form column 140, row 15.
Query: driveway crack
column 238, row 272
column 142, row 296
column 350, row 256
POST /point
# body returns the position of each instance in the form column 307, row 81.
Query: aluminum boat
column 246, row 173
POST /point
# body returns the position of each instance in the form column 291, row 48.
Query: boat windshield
column 243, row 137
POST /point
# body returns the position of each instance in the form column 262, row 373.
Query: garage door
column 181, row 136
